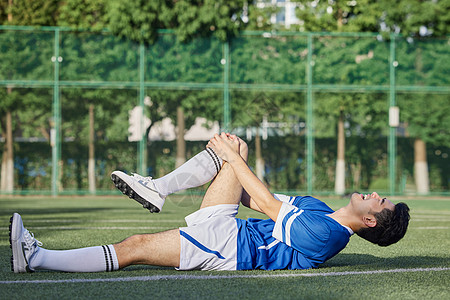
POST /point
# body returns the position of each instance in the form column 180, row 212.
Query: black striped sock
column 200, row 169
column 215, row 159
column 109, row 260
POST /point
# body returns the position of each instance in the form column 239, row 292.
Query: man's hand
column 243, row 149
column 225, row 145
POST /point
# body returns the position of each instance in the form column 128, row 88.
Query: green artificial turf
column 72, row 222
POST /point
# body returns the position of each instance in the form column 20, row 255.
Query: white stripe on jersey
column 284, row 198
column 287, row 238
column 269, row 246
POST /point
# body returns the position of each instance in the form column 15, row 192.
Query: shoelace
column 144, row 179
column 30, row 240
column 147, row 179
column 139, row 177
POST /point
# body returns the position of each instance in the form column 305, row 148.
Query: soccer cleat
column 139, row 188
column 23, row 245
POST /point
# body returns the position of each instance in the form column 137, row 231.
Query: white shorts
column 209, row 242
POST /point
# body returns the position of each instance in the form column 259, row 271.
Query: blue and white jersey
column 303, row 237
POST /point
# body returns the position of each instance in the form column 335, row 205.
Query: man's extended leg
column 151, row 193
column 157, row 249
column 162, row 249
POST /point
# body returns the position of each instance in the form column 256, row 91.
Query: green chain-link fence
column 285, row 93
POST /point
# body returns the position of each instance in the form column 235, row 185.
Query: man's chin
column 356, row 196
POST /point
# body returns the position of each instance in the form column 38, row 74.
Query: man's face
column 370, row 203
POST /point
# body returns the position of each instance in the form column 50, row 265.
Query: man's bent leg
column 151, row 193
column 197, row 171
column 225, row 189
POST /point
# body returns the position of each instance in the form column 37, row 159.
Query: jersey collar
column 349, row 229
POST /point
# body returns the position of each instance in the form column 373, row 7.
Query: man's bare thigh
column 225, row 189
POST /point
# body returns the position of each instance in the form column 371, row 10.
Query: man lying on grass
column 301, row 232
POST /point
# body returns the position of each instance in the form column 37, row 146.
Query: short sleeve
column 284, row 198
column 301, row 229
column 285, row 218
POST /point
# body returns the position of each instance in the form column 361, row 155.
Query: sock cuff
column 112, row 264
column 216, row 159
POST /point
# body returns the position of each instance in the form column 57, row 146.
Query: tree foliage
column 408, row 17
column 416, row 18
column 338, row 15
column 33, row 13
column 83, row 14
column 140, row 20
column 194, row 55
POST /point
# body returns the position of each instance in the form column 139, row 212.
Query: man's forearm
column 255, row 188
column 247, row 201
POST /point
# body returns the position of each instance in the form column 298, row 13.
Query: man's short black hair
column 391, row 226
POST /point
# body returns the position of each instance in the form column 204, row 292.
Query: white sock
column 197, row 171
column 92, row 259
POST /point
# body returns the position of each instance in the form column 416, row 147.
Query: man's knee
column 132, row 240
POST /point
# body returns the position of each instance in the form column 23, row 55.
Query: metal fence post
column 142, row 143
column 392, row 143
column 56, row 126
column 309, row 120
column 226, row 87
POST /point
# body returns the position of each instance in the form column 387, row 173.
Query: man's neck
column 346, row 217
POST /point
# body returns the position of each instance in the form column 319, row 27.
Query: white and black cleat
column 140, row 189
column 23, row 245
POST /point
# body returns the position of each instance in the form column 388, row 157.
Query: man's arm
column 228, row 149
column 247, row 201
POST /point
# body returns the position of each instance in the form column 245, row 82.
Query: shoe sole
column 16, row 252
column 122, row 186
column 10, row 244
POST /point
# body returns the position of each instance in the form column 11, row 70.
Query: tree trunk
column 91, row 161
column 7, row 181
column 259, row 168
column 9, row 154
column 356, row 174
column 420, row 151
column 339, row 19
column 7, row 172
column 3, row 171
column 421, row 167
column 10, row 4
column 181, row 143
column 339, row 183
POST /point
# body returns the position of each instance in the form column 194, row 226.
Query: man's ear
column 370, row 221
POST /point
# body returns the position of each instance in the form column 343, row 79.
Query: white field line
column 207, row 277
column 414, row 216
column 432, row 228
column 34, row 228
column 100, row 228
column 102, row 221
column 431, row 212
column 430, row 220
